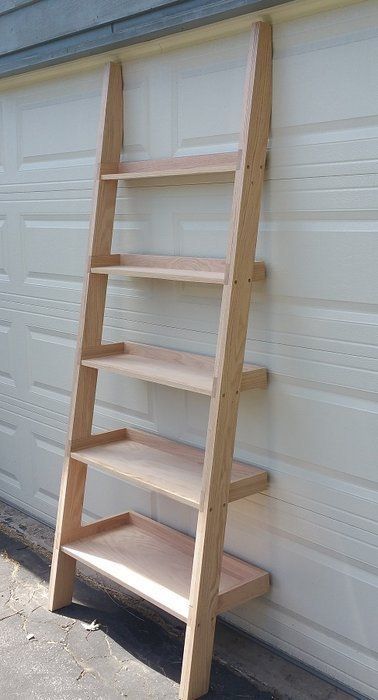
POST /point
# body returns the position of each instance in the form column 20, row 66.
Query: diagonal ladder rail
column 89, row 335
column 228, row 368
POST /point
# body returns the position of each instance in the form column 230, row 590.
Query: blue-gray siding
column 36, row 33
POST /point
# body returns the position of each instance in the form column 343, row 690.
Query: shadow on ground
column 130, row 655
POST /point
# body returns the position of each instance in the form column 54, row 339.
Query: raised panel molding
column 4, row 263
column 47, row 456
column 200, row 79
column 60, row 240
column 50, row 360
column 41, row 145
column 6, row 371
column 126, row 400
column 10, row 466
column 2, row 141
column 138, row 118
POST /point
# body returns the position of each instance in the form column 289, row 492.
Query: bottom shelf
column 155, row 562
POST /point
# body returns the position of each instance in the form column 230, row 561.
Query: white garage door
column 314, row 322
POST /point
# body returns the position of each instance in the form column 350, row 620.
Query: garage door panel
column 341, row 371
column 340, row 148
column 163, row 219
column 200, row 79
column 4, row 254
column 307, row 487
column 54, row 128
column 127, row 399
column 38, row 238
column 2, row 140
column 7, row 372
column 166, row 93
column 314, row 423
column 50, row 358
column 138, row 84
column 117, row 496
column 335, row 584
column 46, row 456
column 42, row 146
column 134, row 224
column 339, row 327
column 50, row 234
column 145, row 110
column 192, row 84
column 329, row 537
column 11, row 463
column 334, row 259
column 59, row 240
column 346, row 193
column 45, row 347
column 321, row 454
column 304, row 638
column 326, row 92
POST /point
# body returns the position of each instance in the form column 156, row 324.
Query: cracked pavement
column 45, row 656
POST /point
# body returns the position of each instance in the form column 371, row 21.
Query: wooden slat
column 209, row 165
column 102, row 350
column 183, row 269
column 100, row 260
column 99, row 439
column 181, row 370
column 94, row 528
column 162, row 465
column 155, row 562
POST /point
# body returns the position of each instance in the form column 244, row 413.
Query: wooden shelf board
column 161, row 273
column 183, row 269
column 155, row 562
column 172, row 368
column 208, row 166
column 171, row 468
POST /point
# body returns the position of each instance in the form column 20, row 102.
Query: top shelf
column 213, row 167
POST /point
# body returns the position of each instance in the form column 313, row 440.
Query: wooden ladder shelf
column 191, row 578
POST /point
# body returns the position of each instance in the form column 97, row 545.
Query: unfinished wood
column 97, row 526
column 193, row 581
column 99, row 260
column 202, row 166
column 89, row 335
column 155, row 562
column 182, row 269
column 228, row 369
column 181, row 370
column 102, row 350
column 162, row 465
column 99, row 439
